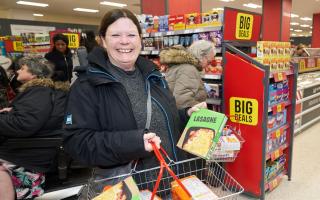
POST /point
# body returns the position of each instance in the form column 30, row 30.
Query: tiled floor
column 305, row 183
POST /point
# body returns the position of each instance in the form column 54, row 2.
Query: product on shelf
column 192, row 20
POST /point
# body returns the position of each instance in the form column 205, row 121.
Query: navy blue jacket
column 100, row 126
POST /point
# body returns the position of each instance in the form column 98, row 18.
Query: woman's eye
column 115, row 35
column 132, row 35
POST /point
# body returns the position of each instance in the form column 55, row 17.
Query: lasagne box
column 126, row 189
column 197, row 189
column 202, row 133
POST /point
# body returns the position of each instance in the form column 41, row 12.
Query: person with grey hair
column 184, row 68
column 204, row 51
column 37, row 111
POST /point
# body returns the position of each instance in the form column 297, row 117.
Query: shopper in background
column 5, row 90
column 107, row 123
column 61, row 57
column 300, row 52
column 37, row 111
column 87, row 43
column 183, row 76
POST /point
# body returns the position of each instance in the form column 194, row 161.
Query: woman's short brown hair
column 115, row 14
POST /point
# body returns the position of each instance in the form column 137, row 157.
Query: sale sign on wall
column 240, row 25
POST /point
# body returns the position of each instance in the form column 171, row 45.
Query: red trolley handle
column 163, row 164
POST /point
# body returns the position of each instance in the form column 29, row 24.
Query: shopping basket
column 159, row 180
column 221, row 155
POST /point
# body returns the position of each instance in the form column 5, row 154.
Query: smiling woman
column 120, row 103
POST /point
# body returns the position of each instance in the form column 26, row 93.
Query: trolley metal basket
column 210, row 173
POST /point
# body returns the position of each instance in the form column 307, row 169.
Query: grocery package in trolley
column 192, row 179
column 202, row 133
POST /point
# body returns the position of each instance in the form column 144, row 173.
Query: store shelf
column 36, row 43
column 153, row 52
column 273, row 183
column 285, row 72
column 213, row 101
column 212, row 76
column 156, row 52
column 276, row 153
column 181, row 32
column 279, row 106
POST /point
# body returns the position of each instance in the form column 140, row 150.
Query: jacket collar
column 43, row 82
column 100, row 67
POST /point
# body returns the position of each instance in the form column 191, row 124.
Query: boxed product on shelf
column 192, row 20
column 274, row 167
column 211, row 18
column 214, row 90
column 275, row 140
column 179, row 22
column 263, row 49
column 216, row 37
column 155, row 24
column 197, row 189
column 171, row 22
column 163, row 23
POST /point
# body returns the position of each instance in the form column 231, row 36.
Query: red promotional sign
column 241, row 25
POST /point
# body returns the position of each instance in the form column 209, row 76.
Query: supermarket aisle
column 305, row 183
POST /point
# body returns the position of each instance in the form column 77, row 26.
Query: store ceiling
column 303, row 8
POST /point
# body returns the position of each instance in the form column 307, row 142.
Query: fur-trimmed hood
column 178, row 55
column 45, row 82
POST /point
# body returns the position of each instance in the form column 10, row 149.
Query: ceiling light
column 227, row 0
column 301, row 35
column 298, row 30
column 37, row 14
column 109, row 3
column 291, row 29
column 310, row 32
column 304, row 25
column 294, row 23
column 86, row 10
column 311, row 27
column 29, row 3
column 306, row 18
column 252, row 5
column 294, row 15
column 293, row 34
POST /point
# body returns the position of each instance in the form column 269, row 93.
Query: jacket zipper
column 65, row 60
column 169, row 128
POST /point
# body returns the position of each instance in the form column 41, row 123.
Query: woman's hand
column 5, row 109
column 151, row 137
column 196, row 107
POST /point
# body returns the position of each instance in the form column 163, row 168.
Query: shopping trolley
column 159, row 180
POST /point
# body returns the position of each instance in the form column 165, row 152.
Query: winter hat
column 62, row 37
column 38, row 66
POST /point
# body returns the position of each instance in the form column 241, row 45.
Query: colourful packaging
column 202, row 133
column 126, row 189
column 179, row 23
column 192, row 20
column 197, row 189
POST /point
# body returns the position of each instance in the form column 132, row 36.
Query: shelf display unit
column 308, row 98
column 266, row 126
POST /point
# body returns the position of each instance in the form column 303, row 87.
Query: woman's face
column 24, row 75
column 206, row 60
column 123, row 43
column 61, row 46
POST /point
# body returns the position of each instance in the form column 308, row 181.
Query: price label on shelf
column 170, row 33
column 18, row 46
column 188, row 31
column 275, row 183
column 157, row 34
column 278, row 133
column 281, row 76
